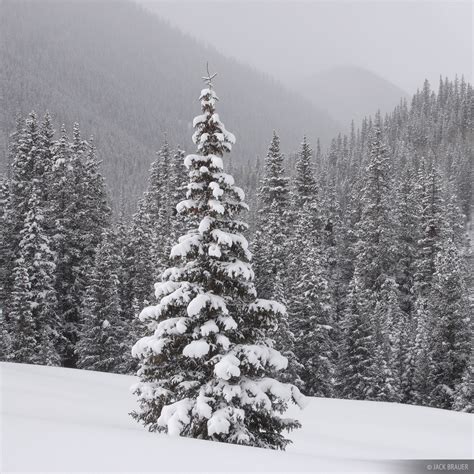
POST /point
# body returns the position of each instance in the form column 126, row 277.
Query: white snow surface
column 66, row 420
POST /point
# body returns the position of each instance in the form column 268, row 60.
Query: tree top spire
column 208, row 79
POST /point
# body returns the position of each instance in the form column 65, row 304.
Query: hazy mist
column 402, row 41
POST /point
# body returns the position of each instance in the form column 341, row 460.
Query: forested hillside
column 127, row 77
column 236, row 275
column 365, row 244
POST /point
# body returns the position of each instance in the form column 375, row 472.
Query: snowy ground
column 62, row 420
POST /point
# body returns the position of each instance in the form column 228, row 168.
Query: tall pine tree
column 205, row 370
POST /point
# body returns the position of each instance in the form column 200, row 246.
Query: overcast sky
column 403, row 41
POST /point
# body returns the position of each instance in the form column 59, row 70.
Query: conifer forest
column 335, row 263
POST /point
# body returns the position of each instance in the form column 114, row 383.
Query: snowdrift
column 63, row 420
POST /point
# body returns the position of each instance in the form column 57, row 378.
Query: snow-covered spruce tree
column 375, row 258
column 390, row 355
column 68, row 176
column 80, row 212
column 34, row 292
column 272, row 233
column 205, row 372
column 24, row 147
column 408, row 210
column 450, row 349
column 431, row 229
column 431, row 225
column 150, row 230
column 272, row 247
column 177, row 190
column 102, row 342
column 141, row 268
column 155, row 194
column 24, row 346
column 5, row 259
column 28, row 245
column 128, row 310
column 335, row 291
column 310, row 300
column 157, row 200
column 356, row 364
column 375, row 230
column 96, row 213
column 463, row 393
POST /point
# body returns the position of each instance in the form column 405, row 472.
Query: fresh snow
column 204, row 300
column 268, row 305
column 227, row 367
column 175, row 416
column 196, row 349
column 63, row 420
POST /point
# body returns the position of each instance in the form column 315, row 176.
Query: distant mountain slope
column 351, row 93
column 128, row 77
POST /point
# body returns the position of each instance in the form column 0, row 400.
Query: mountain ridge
column 128, row 77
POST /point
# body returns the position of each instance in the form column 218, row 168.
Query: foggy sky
column 403, row 41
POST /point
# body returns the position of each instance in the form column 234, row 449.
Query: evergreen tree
column 66, row 201
column 102, row 343
column 375, row 246
column 356, row 368
column 432, row 227
column 304, row 183
column 450, row 341
column 5, row 257
column 408, row 235
column 128, row 307
column 310, row 301
column 24, row 345
column 373, row 267
column 24, row 143
column 272, row 222
column 150, row 241
column 158, row 206
column 408, row 209
column 142, row 266
column 272, row 248
column 390, row 352
column 34, row 275
column 95, row 212
column 28, row 256
column 80, row 213
column 205, row 370
column 463, row 393
column 177, row 192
